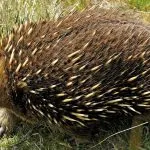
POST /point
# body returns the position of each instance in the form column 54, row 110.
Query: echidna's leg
column 135, row 141
column 7, row 121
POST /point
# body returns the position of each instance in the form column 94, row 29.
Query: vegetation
column 143, row 5
column 14, row 12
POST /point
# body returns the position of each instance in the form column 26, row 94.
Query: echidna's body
column 77, row 71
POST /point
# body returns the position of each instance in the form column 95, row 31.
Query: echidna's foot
column 7, row 121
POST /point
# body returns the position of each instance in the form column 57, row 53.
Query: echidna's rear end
column 78, row 71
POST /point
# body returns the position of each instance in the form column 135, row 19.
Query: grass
column 27, row 137
column 14, row 12
column 42, row 138
column 143, row 5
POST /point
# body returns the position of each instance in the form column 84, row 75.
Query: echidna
column 78, row 71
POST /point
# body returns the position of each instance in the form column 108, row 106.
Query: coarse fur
column 81, row 70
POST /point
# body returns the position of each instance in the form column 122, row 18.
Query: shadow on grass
column 36, row 137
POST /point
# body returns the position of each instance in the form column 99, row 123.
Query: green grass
column 143, row 5
column 14, row 12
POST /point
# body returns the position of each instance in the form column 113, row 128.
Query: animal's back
column 81, row 69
